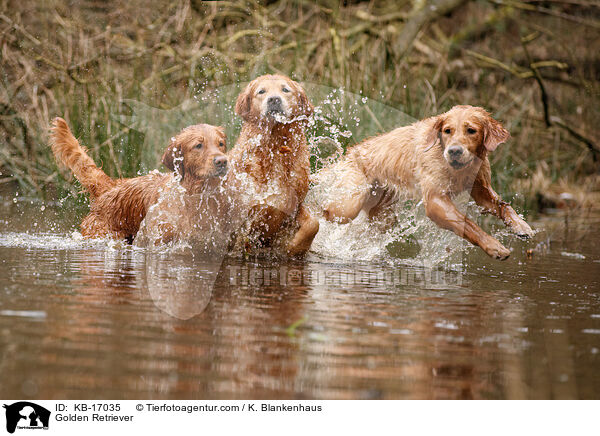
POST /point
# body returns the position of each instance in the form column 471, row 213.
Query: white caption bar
column 292, row 417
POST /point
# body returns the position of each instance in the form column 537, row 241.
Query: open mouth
column 457, row 164
column 274, row 111
column 219, row 172
column 277, row 115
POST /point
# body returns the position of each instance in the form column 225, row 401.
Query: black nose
column 220, row 162
column 276, row 101
column 274, row 104
column 455, row 151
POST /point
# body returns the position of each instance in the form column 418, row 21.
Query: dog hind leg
column 309, row 227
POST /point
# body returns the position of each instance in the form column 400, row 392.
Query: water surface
column 89, row 319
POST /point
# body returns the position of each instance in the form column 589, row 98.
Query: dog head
column 197, row 152
column 273, row 98
column 466, row 132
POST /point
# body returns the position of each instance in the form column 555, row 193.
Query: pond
column 98, row 320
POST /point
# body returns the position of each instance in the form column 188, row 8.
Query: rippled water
column 91, row 319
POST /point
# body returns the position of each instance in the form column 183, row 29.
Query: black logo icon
column 26, row 415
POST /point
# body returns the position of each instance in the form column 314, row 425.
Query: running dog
column 118, row 206
column 270, row 160
column 438, row 158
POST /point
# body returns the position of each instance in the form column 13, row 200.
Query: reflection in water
column 178, row 287
column 86, row 320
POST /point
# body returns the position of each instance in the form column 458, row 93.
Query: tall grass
column 84, row 62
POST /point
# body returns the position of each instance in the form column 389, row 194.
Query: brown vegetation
column 534, row 64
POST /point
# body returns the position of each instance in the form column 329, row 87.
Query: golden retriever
column 441, row 157
column 118, row 206
column 270, row 161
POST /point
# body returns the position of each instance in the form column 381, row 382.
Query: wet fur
column 118, row 206
column 412, row 159
column 275, row 155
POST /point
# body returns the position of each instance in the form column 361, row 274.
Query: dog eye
column 262, row 91
column 221, row 144
column 447, row 131
column 284, row 89
column 471, row 130
column 199, row 145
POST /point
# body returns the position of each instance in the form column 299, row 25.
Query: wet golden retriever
column 441, row 157
column 270, row 161
column 118, row 206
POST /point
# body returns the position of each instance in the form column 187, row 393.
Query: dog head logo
column 26, row 415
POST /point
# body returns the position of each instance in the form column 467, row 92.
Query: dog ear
column 173, row 159
column 244, row 103
column 494, row 134
column 304, row 104
column 222, row 135
column 434, row 133
column 306, row 107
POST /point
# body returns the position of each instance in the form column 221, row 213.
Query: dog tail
column 67, row 150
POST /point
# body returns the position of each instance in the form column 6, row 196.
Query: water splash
column 180, row 220
column 340, row 119
column 50, row 241
column 412, row 239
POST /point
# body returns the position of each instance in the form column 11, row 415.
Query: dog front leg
column 486, row 197
column 309, row 226
column 167, row 234
column 267, row 221
column 441, row 210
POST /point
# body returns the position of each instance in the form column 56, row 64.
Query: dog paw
column 498, row 251
column 522, row 230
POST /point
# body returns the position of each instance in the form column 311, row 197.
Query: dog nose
column 220, row 162
column 274, row 104
column 274, row 101
column 455, row 151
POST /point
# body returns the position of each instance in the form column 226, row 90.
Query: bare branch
column 419, row 18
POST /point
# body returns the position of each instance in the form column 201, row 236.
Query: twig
column 247, row 32
column 69, row 71
column 7, row 179
column 568, row 2
column 553, row 120
column 470, row 32
column 21, row 29
column 529, row 7
column 394, row 16
column 588, row 142
column 515, row 71
column 419, row 18
column 538, row 78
